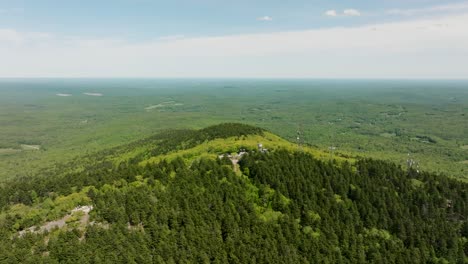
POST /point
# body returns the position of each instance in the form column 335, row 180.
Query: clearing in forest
column 30, row 147
column 93, row 94
column 163, row 104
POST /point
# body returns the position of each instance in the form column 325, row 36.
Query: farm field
column 45, row 122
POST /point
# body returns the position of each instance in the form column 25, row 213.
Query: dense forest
column 280, row 206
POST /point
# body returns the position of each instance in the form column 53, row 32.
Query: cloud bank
column 421, row 48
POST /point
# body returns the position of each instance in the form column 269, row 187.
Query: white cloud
column 265, row 18
column 351, row 12
column 331, row 13
column 416, row 48
column 171, row 37
column 458, row 7
column 346, row 12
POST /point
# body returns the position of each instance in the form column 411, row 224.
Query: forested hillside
column 161, row 200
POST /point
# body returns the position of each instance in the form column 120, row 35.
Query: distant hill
column 215, row 196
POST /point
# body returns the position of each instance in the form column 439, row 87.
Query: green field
column 379, row 119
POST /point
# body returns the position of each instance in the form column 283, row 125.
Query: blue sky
column 248, row 38
column 140, row 19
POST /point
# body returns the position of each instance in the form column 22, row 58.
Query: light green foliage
column 338, row 198
column 314, row 216
column 310, row 231
column 378, row 233
column 213, row 148
column 46, row 209
column 252, row 192
column 267, row 214
column 416, row 183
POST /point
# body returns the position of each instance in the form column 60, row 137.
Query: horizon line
column 243, row 78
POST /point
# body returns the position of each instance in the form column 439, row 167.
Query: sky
column 234, row 39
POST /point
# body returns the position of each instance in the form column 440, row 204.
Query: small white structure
column 261, row 148
column 224, row 156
